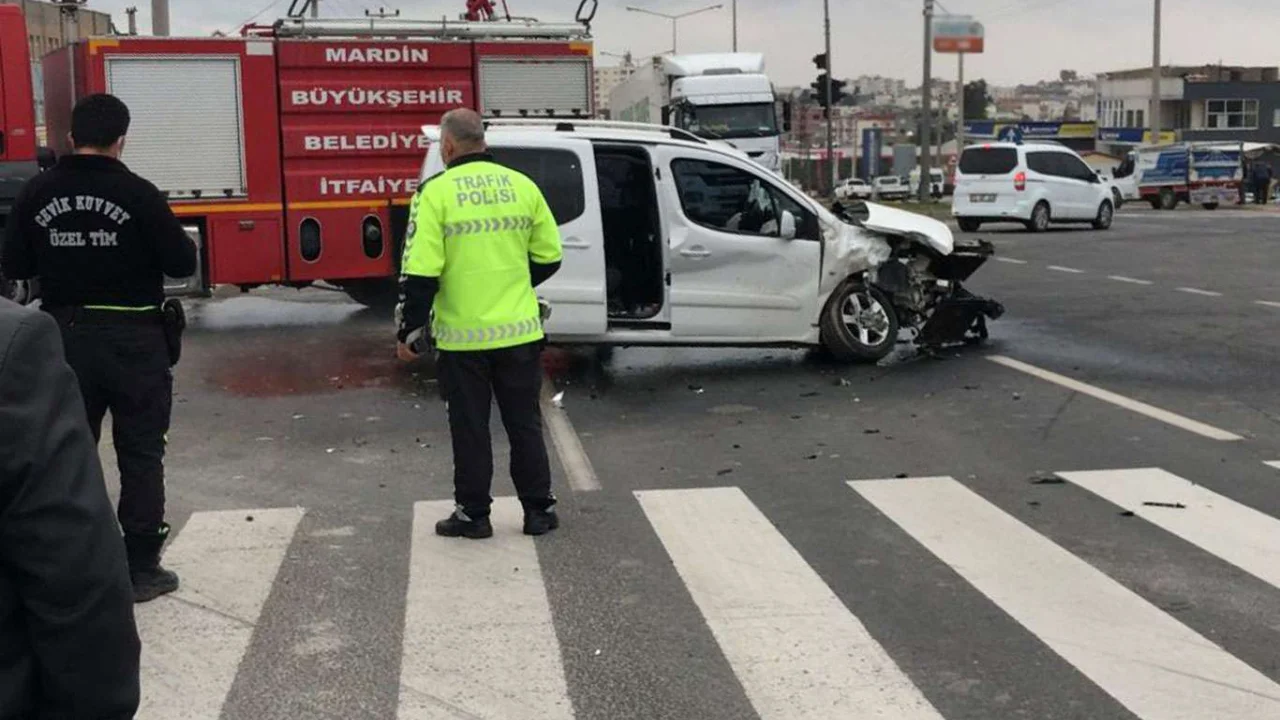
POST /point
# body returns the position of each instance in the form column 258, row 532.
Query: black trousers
column 125, row 369
column 470, row 382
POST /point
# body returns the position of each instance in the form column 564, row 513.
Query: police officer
column 100, row 240
column 480, row 239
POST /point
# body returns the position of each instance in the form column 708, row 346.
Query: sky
column 1026, row 40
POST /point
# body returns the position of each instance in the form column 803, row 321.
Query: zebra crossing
column 480, row 633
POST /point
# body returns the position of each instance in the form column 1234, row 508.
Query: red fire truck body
column 291, row 153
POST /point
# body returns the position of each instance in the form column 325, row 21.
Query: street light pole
column 926, row 105
column 831, row 110
column 676, row 18
column 1155, row 78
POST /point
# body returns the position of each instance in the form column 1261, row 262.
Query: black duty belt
column 75, row 315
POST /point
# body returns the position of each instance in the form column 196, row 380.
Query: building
column 607, row 78
column 44, row 25
column 1233, row 105
column 1197, row 103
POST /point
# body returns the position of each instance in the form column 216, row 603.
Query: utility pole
column 133, row 20
column 926, row 105
column 960, row 103
column 315, row 9
column 735, row 25
column 1155, row 78
column 831, row 141
column 160, row 18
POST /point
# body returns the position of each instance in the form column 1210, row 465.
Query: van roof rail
column 565, row 125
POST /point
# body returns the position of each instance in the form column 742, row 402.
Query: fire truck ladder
column 300, row 26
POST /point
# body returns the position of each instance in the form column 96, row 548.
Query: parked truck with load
column 1208, row 174
column 717, row 96
column 291, row 152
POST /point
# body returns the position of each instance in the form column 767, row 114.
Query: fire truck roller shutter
column 187, row 129
column 510, row 87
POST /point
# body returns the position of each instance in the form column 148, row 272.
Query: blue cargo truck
column 1199, row 173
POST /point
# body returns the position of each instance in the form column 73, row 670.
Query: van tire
column 969, row 224
column 1040, row 218
column 1168, row 199
column 1106, row 214
column 842, row 342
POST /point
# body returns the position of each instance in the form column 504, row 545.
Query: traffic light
column 820, row 90
column 837, row 91
column 820, row 60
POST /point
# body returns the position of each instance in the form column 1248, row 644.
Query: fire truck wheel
column 380, row 294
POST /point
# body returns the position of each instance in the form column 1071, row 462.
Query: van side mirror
column 788, row 227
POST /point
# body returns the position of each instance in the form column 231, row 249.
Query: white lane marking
column 1011, row 261
column 1132, row 281
column 1275, row 464
column 478, row 635
column 1152, row 664
column 194, row 640
column 1198, row 291
column 577, row 466
column 1059, row 268
column 1267, row 303
column 1136, row 406
column 1238, row 534
column 795, row 647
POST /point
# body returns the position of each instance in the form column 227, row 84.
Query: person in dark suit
column 69, row 644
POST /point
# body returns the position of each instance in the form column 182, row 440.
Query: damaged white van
column 670, row 239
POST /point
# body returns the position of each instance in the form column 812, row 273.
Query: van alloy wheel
column 859, row 323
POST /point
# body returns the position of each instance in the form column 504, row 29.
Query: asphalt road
column 732, row 564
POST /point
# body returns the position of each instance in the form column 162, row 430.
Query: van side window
column 557, row 173
column 730, row 200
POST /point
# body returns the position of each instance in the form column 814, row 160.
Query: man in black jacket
column 101, row 239
column 68, row 643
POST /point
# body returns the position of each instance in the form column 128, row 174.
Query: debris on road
column 871, row 431
column 1175, row 506
column 1047, row 480
column 558, row 400
column 842, row 382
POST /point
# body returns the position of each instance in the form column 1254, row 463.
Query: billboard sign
column 957, row 34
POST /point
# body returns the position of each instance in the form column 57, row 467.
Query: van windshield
column 988, row 161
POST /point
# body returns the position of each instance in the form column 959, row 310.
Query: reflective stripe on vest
column 510, row 331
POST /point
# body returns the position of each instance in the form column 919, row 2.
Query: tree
column 1068, row 76
column 976, row 100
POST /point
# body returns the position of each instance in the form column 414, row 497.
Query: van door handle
column 696, row 252
column 576, row 244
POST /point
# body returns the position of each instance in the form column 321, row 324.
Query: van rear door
column 987, row 172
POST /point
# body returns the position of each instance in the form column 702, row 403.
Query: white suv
column 1033, row 183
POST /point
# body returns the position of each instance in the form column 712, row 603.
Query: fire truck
column 291, row 152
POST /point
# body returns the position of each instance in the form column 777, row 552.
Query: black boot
column 150, row 581
column 460, row 525
column 540, row 522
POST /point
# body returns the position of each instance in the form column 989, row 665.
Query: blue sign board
column 872, row 147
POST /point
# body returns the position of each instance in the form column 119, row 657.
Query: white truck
column 717, row 96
